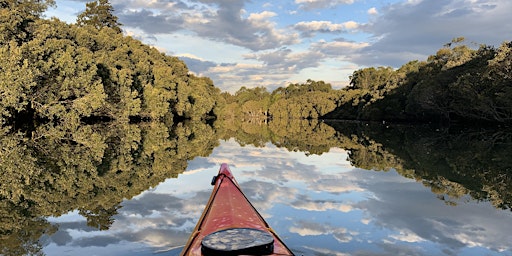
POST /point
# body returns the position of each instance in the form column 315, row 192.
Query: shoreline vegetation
column 456, row 85
column 67, row 74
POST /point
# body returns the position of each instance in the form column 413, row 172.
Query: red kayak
column 230, row 225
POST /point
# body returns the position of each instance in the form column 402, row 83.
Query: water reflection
column 320, row 205
column 90, row 170
column 453, row 162
column 343, row 189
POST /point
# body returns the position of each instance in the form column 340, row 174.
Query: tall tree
column 99, row 14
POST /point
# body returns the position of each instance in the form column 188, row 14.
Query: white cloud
column 339, row 49
column 406, row 236
column 255, row 17
column 319, row 26
column 223, row 69
column 286, row 61
column 306, row 228
column 416, row 29
column 321, row 206
column 220, row 21
column 323, row 251
column 309, row 28
column 335, row 185
column 372, row 11
column 319, row 4
column 303, row 231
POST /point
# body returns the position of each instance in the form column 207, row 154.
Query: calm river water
column 320, row 204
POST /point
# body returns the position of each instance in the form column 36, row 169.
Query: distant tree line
column 458, row 83
column 309, row 100
column 54, row 72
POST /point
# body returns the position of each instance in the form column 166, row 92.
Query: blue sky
column 273, row 43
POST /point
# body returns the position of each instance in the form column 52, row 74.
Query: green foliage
column 53, row 72
column 99, row 14
column 197, row 98
column 17, row 17
column 456, row 84
column 371, row 79
column 245, row 94
column 309, row 100
column 67, row 87
column 17, row 78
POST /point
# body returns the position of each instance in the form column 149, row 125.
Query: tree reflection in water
column 94, row 168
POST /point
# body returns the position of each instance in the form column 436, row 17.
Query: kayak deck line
column 229, row 210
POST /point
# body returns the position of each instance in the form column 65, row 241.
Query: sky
column 273, row 43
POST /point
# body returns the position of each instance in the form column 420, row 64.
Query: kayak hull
column 229, row 208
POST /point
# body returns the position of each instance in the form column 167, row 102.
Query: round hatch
column 238, row 241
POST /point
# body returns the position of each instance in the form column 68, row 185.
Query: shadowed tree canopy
column 457, row 84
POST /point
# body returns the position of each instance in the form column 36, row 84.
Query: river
column 343, row 189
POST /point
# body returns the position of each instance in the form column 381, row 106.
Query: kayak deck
column 229, row 208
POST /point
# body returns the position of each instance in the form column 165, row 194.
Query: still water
column 318, row 204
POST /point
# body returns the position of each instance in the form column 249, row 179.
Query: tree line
column 54, row 72
column 65, row 74
column 457, row 84
column 309, row 100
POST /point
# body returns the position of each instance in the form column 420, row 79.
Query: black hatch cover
column 238, row 241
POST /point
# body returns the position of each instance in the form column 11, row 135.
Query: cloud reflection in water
column 319, row 205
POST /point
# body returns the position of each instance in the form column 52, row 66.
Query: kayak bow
column 230, row 225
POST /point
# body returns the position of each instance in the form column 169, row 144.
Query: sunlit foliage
column 99, row 14
column 63, row 73
column 308, row 100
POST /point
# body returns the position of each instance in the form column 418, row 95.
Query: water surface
column 342, row 188
column 318, row 204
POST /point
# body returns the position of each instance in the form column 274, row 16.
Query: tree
column 371, row 79
column 17, row 77
column 196, row 98
column 245, row 94
column 67, row 86
column 17, row 17
column 99, row 14
column 100, row 218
